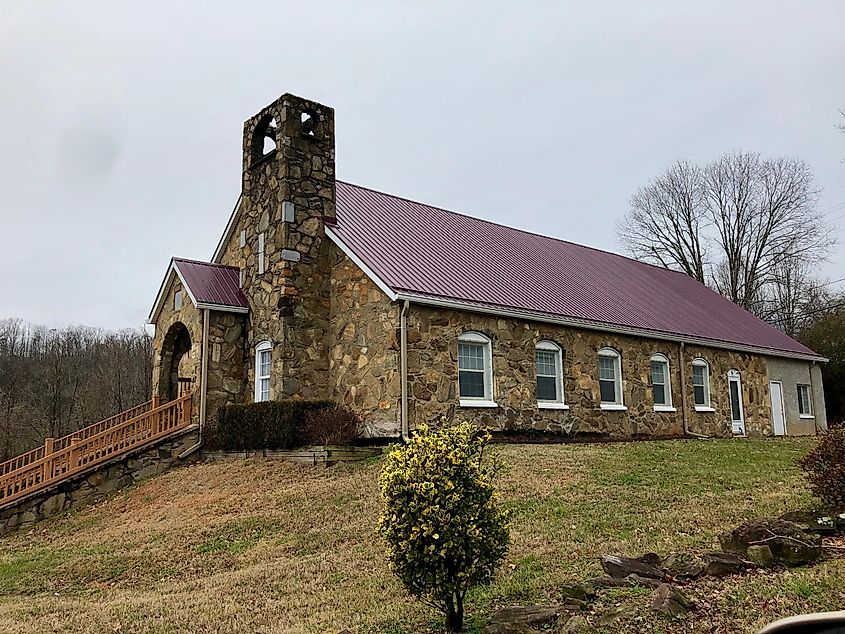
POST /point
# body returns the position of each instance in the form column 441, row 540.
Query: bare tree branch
column 756, row 217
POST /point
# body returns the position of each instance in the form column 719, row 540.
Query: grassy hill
column 271, row 547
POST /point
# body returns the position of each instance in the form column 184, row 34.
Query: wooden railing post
column 186, row 410
column 156, row 401
column 48, row 463
column 74, row 454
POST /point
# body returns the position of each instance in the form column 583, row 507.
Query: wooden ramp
column 62, row 458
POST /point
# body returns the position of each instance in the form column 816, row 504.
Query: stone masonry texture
column 364, row 357
column 290, row 301
column 433, row 379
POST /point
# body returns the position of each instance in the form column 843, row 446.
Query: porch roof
column 212, row 286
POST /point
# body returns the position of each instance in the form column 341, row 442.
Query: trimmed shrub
column 266, row 425
column 337, row 425
column 441, row 518
column 824, row 467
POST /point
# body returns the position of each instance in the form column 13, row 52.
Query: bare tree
column 794, row 298
column 55, row 381
column 764, row 216
column 756, row 217
column 665, row 221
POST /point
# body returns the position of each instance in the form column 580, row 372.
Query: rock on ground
column 821, row 522
column 620, row 567
column 669, row 600
column 723, row 564
column 683, row 566
column 516, row 619
column 789, row 543
column 760, row 555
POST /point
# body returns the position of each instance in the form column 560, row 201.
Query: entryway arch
column 173, row 376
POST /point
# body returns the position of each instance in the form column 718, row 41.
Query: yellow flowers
column 444, row 529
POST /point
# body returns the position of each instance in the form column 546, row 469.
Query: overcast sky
column 120, row 123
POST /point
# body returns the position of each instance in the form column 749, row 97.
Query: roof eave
column 227, row 233
column 502, row 311
column 172, row 270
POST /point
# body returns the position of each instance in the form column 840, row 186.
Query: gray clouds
column 121, row 122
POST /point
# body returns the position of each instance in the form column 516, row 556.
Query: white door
column 735, row 396
column 778, row 417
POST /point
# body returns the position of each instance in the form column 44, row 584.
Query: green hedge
column 267, row 425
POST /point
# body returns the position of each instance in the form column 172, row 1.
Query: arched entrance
column 174, row 378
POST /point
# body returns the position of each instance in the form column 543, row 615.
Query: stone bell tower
column 288, row 197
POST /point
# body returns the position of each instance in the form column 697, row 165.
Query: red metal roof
column 422, row 250
column 212, row 283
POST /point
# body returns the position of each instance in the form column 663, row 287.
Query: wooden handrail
column 82, row 451
column 18, row 462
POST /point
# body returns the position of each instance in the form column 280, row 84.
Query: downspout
column 403, row 367
column 816, row 426
column 683, row 365
column 203, row 384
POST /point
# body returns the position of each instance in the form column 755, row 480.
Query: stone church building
column 321, row 289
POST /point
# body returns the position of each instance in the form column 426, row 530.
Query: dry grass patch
column 270, row 547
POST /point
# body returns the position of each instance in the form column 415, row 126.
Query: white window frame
column 559, row 401
column 809, row 412
column 706, row 407
column 618, row 404
column 667, row 386
column 487, row 399
column 177, row 300
column 260, row 255
column 264, row 346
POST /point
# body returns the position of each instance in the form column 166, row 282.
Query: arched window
column 263, row 368
column 701, row 385
column 475, row 370
column 661, row 385
column 610, row 379
column 548, row 359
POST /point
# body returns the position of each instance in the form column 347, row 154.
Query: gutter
column 203, row 385
column 604, row 327
column 403, row 368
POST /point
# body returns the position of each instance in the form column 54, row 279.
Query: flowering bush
column 444, row 527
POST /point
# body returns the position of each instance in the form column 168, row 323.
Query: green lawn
column 272, row 547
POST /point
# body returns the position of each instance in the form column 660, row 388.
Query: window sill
column 807, row 416
column 613, row 407
column 479, row 403
column 551, row 405
column 701, row 408
column 664, row 408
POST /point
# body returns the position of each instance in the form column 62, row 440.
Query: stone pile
column 791, row 540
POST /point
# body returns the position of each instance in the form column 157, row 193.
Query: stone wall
column 226, row 362
column 289, row 302
column 364, row 357
column 433, row 379
column 755, row 392
column 89, row 487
